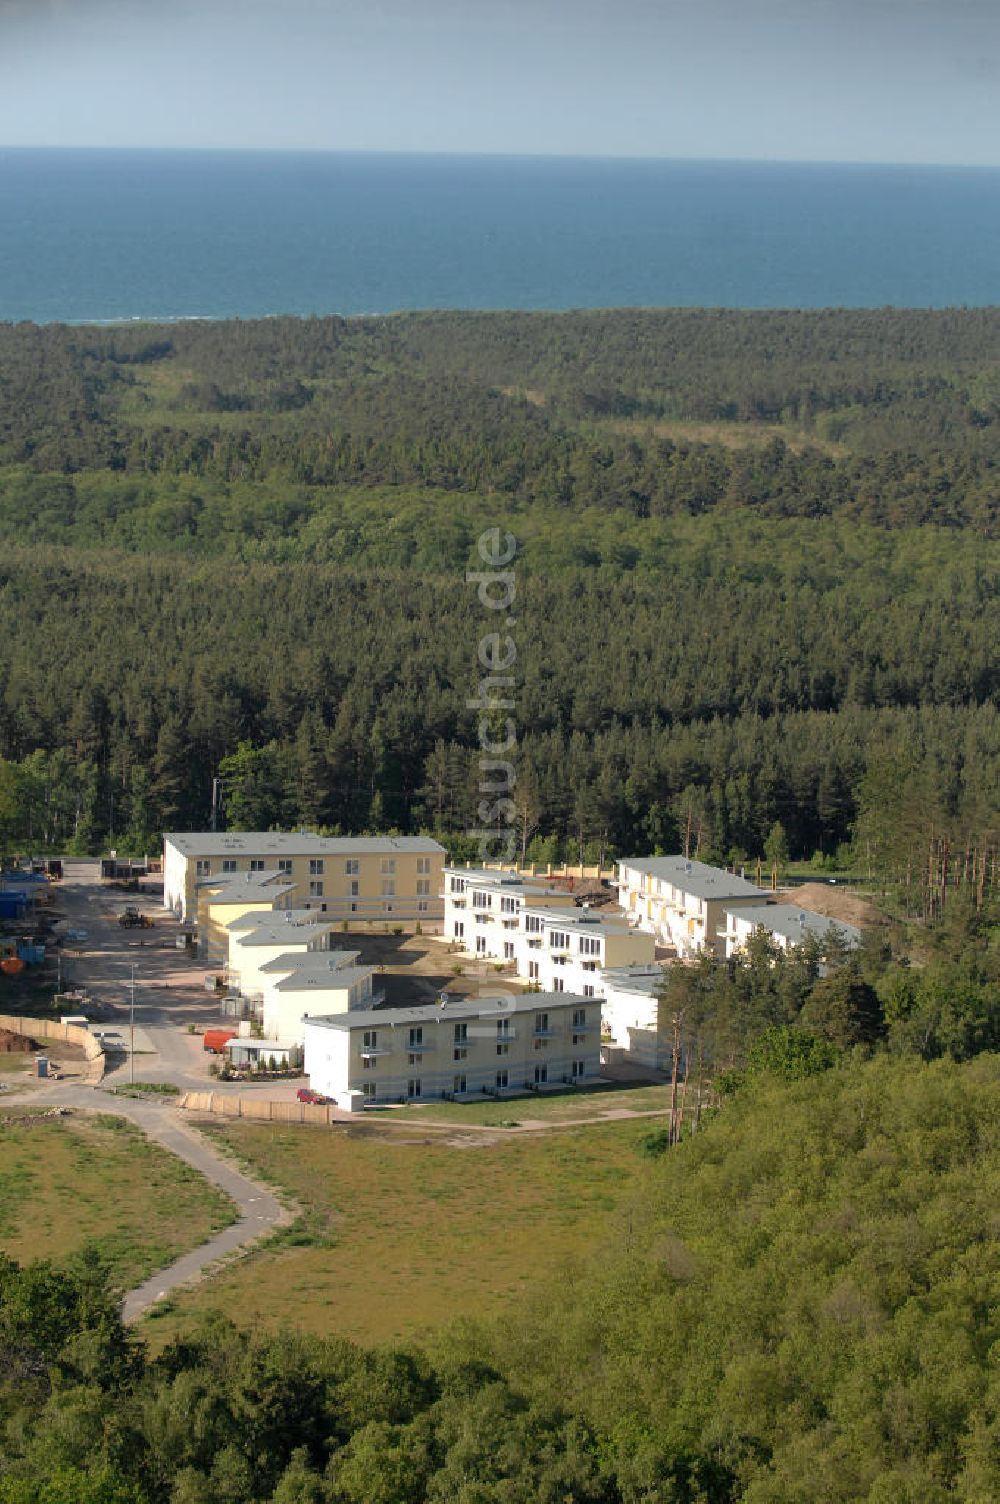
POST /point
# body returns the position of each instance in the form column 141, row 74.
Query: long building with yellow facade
column 393, row 879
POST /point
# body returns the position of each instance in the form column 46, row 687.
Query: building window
column 460, row 1053
column 588, row 990
column 229, row 864
column 388, row 866
column 354, row 908
column 458, row 1085
column 579, row 1018
column 368, row 1090
column 315, row 890
column 423, row 886
column 541, row 1023
column 316, row 866
column 285, row 865
column 508, row 950
column 503, row 1028
column 370, row 1041
column 503, row 1049
column 558, row 985
column 459, row 931
column 480, row 945
column 533, row 924
column 541, row 1074
column 502, row 1079
column 577, row 1070
column 389, row 887
column 352, row 867
column 423, row 907
column 256, row 865
column 482, row 901
column 461, row 1033
column 203, row 867
column 558, row 940
column 416, row 1037
column 368, row 1063
column 413, row 1086
column 508, row 905
column 533, row 971
column 423, row 865
column 355, row 889
column 413, row 1059
column 590, row 945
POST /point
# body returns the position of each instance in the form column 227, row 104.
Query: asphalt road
column 169, row 995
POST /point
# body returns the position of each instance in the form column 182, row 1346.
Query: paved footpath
column 260, row 1211
column 169, row 995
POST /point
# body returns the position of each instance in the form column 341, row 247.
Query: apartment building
column 315, row 985
column 633, row 1026
column 483, row 909
column 491, row 1045
column 221, row 901
column 255, row 939
column 566, row 950
column 396, row 879
column 683, row 903
column 785, row 924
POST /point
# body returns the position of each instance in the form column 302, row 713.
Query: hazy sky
column 846, row 80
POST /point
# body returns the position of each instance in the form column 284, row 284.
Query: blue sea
column 109, row 235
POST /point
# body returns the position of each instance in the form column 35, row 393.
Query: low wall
column 51, row 1029
column 257, row 1109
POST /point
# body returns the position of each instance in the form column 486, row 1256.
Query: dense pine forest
column 799, row 1304
column 757, row 577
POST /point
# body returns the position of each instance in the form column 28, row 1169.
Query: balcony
column 545, row 1033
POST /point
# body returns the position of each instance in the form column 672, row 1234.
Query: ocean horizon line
column 424, row 154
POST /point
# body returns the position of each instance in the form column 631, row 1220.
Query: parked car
column 306, row 1094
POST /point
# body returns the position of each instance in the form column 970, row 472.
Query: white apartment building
column 255, row 939
column 491, row 1045
column 483, row 909
column 297, row 985
column 566, row 950
column 396, row 879
column 631, row 1023
column 785, row 924
column 683, row 903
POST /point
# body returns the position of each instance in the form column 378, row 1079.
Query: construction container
column 215, row 1040
column 41, row 1065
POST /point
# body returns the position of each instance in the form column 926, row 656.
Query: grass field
column 69, row 1182
column 533, row 1108
column 11, row 1064
column 402, row 1234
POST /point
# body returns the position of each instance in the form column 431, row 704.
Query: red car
column 306, row 1094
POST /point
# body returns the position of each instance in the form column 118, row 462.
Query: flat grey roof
column 696, row 878
column 643, row 978
column 592, row 921
column 490, row 1006
column 311, row 960
column 262, row 843
column 335, row 980
column 234, row 891
column 286, row 934
column 291, row 917
column 792, row 922
column 509, row 882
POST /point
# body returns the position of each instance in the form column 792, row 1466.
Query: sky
column 813, row 80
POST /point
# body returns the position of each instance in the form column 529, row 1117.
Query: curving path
column 260, row 1211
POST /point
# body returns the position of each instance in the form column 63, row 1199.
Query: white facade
column 631, row 1021
column 264, row 938
column 492, row 1045
column 682, row 903
column 566, row 950
column 482, row 909
column 297, row 987
column 786, row 925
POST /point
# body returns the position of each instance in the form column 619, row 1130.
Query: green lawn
column 68, row 1182
column 402, row 1233
column 534, row 1107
